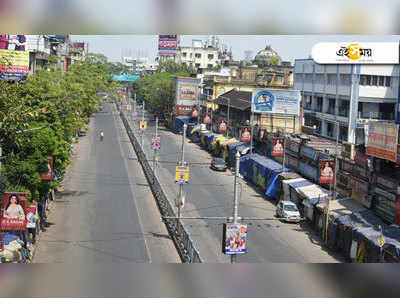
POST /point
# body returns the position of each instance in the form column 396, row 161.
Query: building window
column 387, row 81
column 368, row 80
column 374, row 80
column 345, row 79
column 197, row 55
column 381, row 81
column 209, row 66
column 191, row 55
column 332, row 79
column 184, row 55
column 197, row 65
column 363, row 80
column 278, row 78
column 210, row 56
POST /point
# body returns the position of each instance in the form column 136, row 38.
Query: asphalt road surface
column 210, row 194
column 106, row 212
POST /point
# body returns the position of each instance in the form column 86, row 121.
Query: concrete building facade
column 351, row 95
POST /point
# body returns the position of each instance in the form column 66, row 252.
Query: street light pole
column 142, row 132
column 229, row 105
column 155, row 150
column 284, row 143
column 236, row 197
column 181, row 196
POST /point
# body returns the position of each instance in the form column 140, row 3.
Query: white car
column 288, row 211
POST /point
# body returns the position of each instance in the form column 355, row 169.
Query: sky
column 289, row 47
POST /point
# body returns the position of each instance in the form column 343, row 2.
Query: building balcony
column 344, row 113
column 331, row 111
column 376, row 115
column 318, row 109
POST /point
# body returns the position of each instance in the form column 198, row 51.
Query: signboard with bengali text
column 383, row 140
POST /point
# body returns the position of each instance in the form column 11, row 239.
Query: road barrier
column 176, row 229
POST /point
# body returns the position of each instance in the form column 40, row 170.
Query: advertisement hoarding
column 383, row 140
column 222, row 126
column 245, row 135
column 277, row 146
column 234, row 239
column 49, row 174
column 13, row 212
column 14, row 64
column 167, row 45
column 186, row 93
column 276, row 102
column 327, row 172
column 183, row 110
column 181, row 175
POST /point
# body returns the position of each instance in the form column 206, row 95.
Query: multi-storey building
column 351, row 95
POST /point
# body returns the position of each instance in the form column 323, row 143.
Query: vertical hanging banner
column 49, row 174
column 155, row 143
column 182, row 175
column 222, row 126
column 277, row 147
column 13, row 209
column 327, row 172
column 195, row 112
column 245, row 135
column 207, row 119
column 234, row 239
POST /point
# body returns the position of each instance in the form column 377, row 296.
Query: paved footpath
column 105, row 212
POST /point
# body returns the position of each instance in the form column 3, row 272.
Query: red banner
column 222, row 126
column 277, row 147
column 207, row 119
column 245, row 136
column 195, row 113
column 327, row 172
column 49, row 175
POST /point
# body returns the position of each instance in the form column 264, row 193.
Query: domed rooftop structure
column 265, row 56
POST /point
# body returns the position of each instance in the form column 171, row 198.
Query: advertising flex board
column 382, row 140
column 234, row 239
column 167, row 45
column 13, row 211
column 326, row 170
column 277, row 147
column 13, row 64
column 186, row 91
column 276, row 102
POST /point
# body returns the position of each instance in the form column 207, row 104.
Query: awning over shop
column 313, row 193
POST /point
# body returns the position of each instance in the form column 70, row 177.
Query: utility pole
column 155, row 150
column 229, row 105
column 142, row 132
column 284, row 144
column 333, row 193
column 235, row 197
column 181, row 196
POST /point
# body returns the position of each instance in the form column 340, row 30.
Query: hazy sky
column 289, row 47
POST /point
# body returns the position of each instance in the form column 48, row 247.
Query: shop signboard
column 234, row 239
column 245, row 135
column 309, row 152
column 13, row 211
column 182, row 175
column 327, row 172
column 14, row 64
column 183, row 110
column 358, row 185
column 361, row 159
column 383, row 140
column 271, row 101
column 186, row 91
column 292, row 162
column 308, row 171
column 48, row 176
column 277, row 147
column 167, row 45
column 294, row 146
column 222, row 126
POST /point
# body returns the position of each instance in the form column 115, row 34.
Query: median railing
column 176, row 229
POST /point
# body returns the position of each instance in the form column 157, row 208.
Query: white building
column 352, row 95
column 203, row 56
